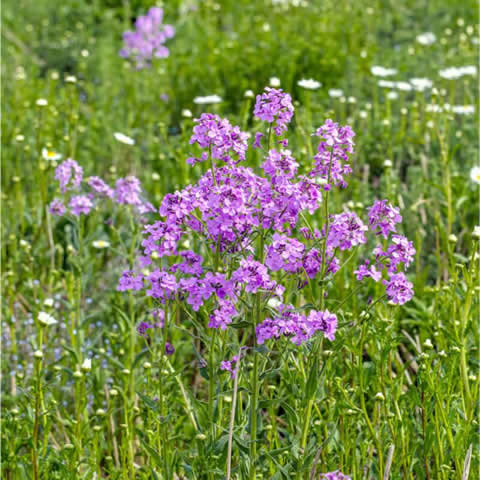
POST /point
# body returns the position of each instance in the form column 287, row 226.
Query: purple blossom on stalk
column 367, row 270
column 220, row 137
column 382, row 218
column 100, row 187
column 223, row 315
column 285, row 253
column 69, row 174
column 399, row 290
column 258, row 138
column 337, row 475
column 254, row 275
column 57, row 207
column 80, row 204
column 298, row 327
column 127, row 191
column 192, row 264
column 169, row 348
column 163, row 285
column 274, row 106
column 130, row 281
column 280, row 165
column 401, row 251
column 229, row 365
column 346, row 231
column 147, row 41
column 143, row 327
column 333, row 154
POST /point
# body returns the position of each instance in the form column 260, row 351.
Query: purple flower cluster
column 331, row 160
column 246, row 227
column 70, row 176
column 297, row 326
column 148, row 39
column 275, row 107
column 382, row 218
column 220, row 138
column 336, row 475
column 229, row 365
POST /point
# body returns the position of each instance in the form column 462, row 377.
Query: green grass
column 398, row 390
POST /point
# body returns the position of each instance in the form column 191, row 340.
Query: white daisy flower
column 475, row 175
column 404, row 86
column 309, row 84
column 392, row 95
column 335, row 93
column 48, row 302
column 41, row 102
column 386, row 84
column 463, row 109
column 186, row 113
column 427, row 38
column 46, row 319
column 209, row 99
column 120, row 137
column 50, row 155
column 421, row 84
column 248, row 94
column 454, row 73
column 87, row 365
column 274, row 82
column 70, row 79
column 379, row 71
column 100, row 244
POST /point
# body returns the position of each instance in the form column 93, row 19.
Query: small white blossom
column 186, row 113
column 335, row 93
column 209, row 99
column 41, row 102
column 48, row 302
column 274, row 82
column 120, row 137
column 475, row 175
column 428, row 343
column 392, row 95
column 46, row 319
column 427, row 38
column 379, row 71
column 421, row 84
column 248, row 94
column 87, row 365
column 476, row 232
column 309, row 84
column 100, row 244
column 50, row 155
column 70, row 79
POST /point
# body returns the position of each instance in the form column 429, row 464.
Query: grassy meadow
column 88, row 394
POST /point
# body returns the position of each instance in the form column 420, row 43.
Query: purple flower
column 163, row 285
column 274, row 106
column 100, row 187
column 142, row 328
column 80, row 204
column 147, row 41
column 399, row 290
column 130, row 281
column 221, row 139
column 258, row 138
column 331, row 160
column 69, row 174
column 57, row 207
column 254, row 275
column 169, row 348
column 382, row 218
column 401, row 251
column 367, row 270
column 346, row 231
column 127, row 191
column 285, row 253
column 337, row 475
column 229, row 365
column 223, row 315
column 280, row 165
column 312, row 263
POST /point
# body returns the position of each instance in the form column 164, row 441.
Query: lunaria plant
column 246, row 257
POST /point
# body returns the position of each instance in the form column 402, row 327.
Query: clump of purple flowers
column 95, row 190
column 220, row 138
column 253, row 235
column 147, row 41
column 275, row 107
column 336, row 475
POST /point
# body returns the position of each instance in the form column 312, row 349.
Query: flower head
column 80, row 204
column 309, row 84
column 382, row 218
column 57, row 207
column 147, row 41
column 69, row 174
column 120, row 137
column 274, row 106
column 50, row 155
column 399, row 290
